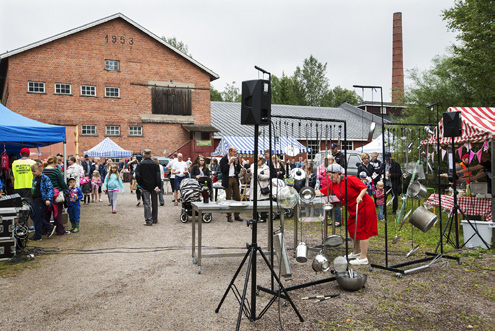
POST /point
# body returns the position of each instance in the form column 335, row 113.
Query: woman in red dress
column 367, row 220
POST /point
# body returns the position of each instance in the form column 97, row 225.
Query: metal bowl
column 354, row 283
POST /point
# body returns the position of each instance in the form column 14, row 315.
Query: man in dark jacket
column 87, row 166
column 338, row 155
column 149, row 178
column 393, row 176
column 230, row 168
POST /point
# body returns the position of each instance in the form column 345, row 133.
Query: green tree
column 339, row 95
column 443, row 84
column 177, row 44
column 215, row 95
column 285, row 92
column 474, row 57
column 231, row 93
column 313, row 81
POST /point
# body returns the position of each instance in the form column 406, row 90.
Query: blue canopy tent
column 245, row 145
column 17, row 131
column 108, row 148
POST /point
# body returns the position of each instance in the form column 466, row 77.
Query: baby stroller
column 190, row 191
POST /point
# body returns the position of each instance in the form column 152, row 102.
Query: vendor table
column 214, row 207
column 470, row 206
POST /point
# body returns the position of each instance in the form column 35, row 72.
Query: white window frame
column 135, row 131
column 109, row 94
column 85, row 128
column 112, row 65
column 90, row 88
column 60, row 88
column 349, row 147
column 315, row 148
column 36, row 87
column 112, row 130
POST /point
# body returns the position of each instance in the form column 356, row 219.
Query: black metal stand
column 250, row 309
column 432, row 256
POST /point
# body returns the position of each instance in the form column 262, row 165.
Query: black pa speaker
column 452, row 124
column 256, row 102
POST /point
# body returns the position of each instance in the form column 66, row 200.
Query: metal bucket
column 423, row 219
column 302, row 252
column 321, row 263
column 417, row 191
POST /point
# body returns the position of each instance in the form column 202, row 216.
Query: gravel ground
column 119, row 274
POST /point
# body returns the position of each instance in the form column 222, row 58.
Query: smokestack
column 397, row 61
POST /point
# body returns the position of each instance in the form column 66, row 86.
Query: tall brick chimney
column 397, row 61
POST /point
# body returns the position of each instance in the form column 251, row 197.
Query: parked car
column 353, row 160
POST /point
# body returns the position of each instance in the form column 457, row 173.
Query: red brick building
column 112, row 78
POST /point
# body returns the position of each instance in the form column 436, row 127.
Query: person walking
column 230, row 168
column 52, row 171
column 180, row 170
column 172, row 176
column 75, row 196
column 111, row 186
column 148, row 177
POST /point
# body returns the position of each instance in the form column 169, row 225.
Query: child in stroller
column 190, row 190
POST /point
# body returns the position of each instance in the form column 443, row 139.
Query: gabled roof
column 226, row 116
column 5, row 55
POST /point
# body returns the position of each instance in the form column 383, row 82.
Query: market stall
column 477, row 135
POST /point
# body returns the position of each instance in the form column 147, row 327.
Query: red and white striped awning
column 478, row 125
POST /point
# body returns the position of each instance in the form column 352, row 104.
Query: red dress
column 367, row 220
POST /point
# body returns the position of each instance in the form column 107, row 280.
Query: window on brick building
column 171, row 101
column 315, row 148
column 346, row 146
column 88, row 130
column 112, row 130
column 36, row 87
column 112, row 92
column 62, row 88
column 112, row 65
column 135, row 131
column 88, row 90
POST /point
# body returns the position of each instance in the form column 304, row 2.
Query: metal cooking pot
column 333, row 240
column 417, row 191
column 302, row 252
column 321, row 263
column 423, row 219
column 353, row 282
column 307, row 194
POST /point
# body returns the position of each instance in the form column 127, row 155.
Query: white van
column 353, row 159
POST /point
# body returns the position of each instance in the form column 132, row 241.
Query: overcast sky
column 354, row 37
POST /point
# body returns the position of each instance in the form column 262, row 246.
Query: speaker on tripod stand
column 256, row 102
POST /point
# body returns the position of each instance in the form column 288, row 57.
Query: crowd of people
column 43, row 185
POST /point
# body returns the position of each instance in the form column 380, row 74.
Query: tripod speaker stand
column 249, row 309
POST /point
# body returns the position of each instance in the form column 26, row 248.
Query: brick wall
column 79, row 59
